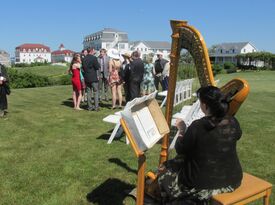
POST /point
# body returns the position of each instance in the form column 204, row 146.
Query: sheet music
column 141, row 123
column 147, row 127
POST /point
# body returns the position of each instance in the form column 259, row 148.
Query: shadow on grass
column 118, row 137
column 105, row 105
column 112, row 191
column 105, row 136
column 122, row 164
column 68, row 102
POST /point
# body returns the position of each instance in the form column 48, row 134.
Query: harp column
column 174, row 60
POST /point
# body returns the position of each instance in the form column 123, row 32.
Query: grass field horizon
column 53, row 155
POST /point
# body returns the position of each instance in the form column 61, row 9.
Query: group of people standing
column 115, row 71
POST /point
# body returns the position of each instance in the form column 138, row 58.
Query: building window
column 221, row 50
column 244, row 50
column 122, row 46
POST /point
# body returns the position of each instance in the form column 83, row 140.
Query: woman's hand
column 180, row 124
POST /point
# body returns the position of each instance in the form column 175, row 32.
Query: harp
column 187, row 37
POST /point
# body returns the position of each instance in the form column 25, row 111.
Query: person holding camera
column 4, row 91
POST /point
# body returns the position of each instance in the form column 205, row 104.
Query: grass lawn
column 53, row 155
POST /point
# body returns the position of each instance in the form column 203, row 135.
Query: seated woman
column 207, row 162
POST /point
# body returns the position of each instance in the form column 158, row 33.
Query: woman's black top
column 4, row 89
column 211, row 159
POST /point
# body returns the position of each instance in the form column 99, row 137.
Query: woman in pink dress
column 76, row 83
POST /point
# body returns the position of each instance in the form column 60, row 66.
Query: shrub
column 231, row 70
column 186, row 71
column 65, row 80
column 217, row 69
column 62, row 80
column 228, row 65
column 27, row 80
column 31, row 64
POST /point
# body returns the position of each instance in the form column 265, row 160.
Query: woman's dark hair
column 215, row 100
column 84, row 50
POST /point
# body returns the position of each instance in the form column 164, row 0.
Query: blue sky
column 52, row 22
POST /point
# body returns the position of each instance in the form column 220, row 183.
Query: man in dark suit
column 103, row 61
column 136, row 75
column 90, row 68
column 159, row 66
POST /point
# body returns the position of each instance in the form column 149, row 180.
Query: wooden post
column 141, row 164
column 141, row 179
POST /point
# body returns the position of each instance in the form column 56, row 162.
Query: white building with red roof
column 31, row 53
column 62, row 55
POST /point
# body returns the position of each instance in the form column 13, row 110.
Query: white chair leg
column 163, row 102
column 172, row 145
column 113, row 133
